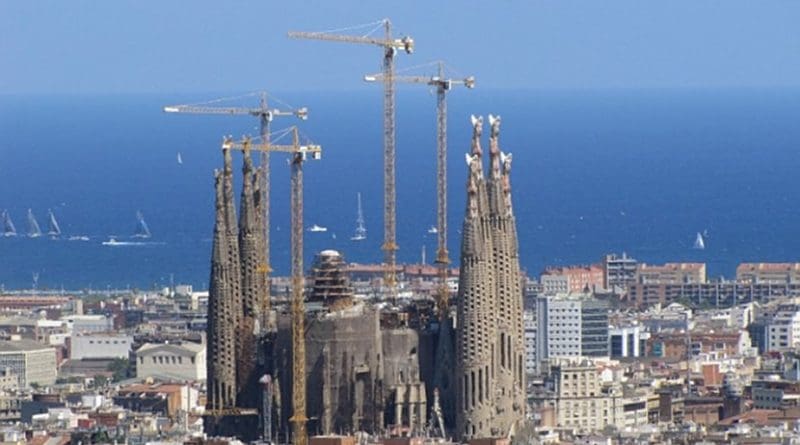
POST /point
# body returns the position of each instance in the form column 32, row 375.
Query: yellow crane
column 265, row 115
column 442, row 85
column 390, row 47
column 299, row 154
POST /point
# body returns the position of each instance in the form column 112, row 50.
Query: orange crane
column 265, row 115
column 442, row 85
column 299, row 155
column 390, row 47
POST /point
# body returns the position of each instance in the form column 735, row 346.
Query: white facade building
column 783, row 331
column 554, row 284
column 529, row 326
column 30, row 361
column 584, row 402
column 78, row 324
column 176, row 362
column 625, row 341
column 100, row 346
column 570, row 325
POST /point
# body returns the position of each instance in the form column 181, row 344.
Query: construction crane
column 265, row 115
column 390, row 47
column 299, row 155
column 442, row 85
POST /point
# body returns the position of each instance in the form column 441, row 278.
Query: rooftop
column 22, row 345
column 768, row 267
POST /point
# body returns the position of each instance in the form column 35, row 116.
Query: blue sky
column 125, row 46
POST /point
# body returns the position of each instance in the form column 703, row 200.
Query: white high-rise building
column 783, row 330
column 570, row 325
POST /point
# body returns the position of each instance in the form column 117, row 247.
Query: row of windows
column 108, row 342
column 166, row 359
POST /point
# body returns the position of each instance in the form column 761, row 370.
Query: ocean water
column 594, row 172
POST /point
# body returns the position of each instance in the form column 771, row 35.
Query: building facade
column 572, row 279
column 33, row 363
column 619, row 271
column 172, row 362
column 671, row 273
column 570, row 325
column 768, row 273
column 100, row 346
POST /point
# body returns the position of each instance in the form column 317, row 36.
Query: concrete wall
column 171, row 362
column 100, row 346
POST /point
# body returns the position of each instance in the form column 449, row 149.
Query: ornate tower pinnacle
column 220, row 332
column 490, row 389
column 494, row 149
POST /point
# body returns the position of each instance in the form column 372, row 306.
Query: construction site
column 328, row 366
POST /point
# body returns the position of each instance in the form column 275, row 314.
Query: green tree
column 100, row 381
column 120, row 369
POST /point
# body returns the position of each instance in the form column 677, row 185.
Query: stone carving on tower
column 221, row 319
column 236, row 290
column 249, row 234
column 489, row 372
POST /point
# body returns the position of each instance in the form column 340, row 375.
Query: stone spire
column 232, row 237
column 249, row 234
column 489, row 342
column 475, row 310
column 221, row 360
column 508, row 287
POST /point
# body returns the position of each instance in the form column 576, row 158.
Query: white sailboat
column 699, row 242
column 180, row 159
column 53, row 229
column 361, row 231
column 142, row 231
column 8, row 225
column 33, row 227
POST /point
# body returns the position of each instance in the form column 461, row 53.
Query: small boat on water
column 112, row 242
column 142, row 231
column 78, row 238
column 33, row 227
column 180, row 159
column 699, row 242
column 316, row 228
column 8, row 225
column 361, row 231
column 433, row 230
column 53, row 230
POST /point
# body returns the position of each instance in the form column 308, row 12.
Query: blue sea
column 594, row 172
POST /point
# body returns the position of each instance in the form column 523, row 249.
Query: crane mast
column 298, row 418
column 442, row 255
column 390, row 47
column 265, row 116
column 443, row 85
column 389, row 190
column 299, row 155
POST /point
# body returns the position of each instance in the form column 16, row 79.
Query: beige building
column 768, row 273
column 30, row 361
column 174, row 362
column 585, row 402
column 671, row 273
